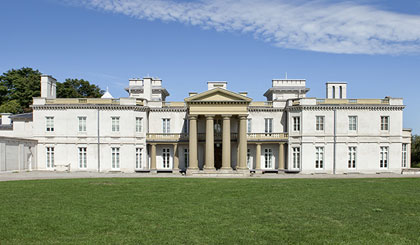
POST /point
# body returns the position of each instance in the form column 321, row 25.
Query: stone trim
column 102, row 107
column 346, row 107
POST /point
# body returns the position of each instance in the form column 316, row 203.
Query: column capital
column 226, row 117
column 192, row 117
column 210, row 117
column 243, row 117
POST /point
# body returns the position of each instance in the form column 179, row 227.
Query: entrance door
column 218, row 156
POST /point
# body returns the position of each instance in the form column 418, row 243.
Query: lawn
column 209, row 211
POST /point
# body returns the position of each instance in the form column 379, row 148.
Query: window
column 82, row 124
column 320, row 123
column 50, row 157
column 186, row 127
column 166, row 125
column 166, row 156
column 352, row 158
column 296, row 158
column 249, row 125
column 268, row 153
column 218, row 126
column 341, row 92
column 385, row 123
column 139, row 157
column 319, row 157
column 296, row 123
column 186, row 158
column 248, row 158
column 352, row 123
column 115, row 124
column 383, row 157
column 49, row 122
column 82, row 157
column 115, row 157
column 404, row 155
column 139, row 124
column 268, row 125
column 333, row 93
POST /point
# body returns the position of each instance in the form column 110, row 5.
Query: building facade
column 216, row 131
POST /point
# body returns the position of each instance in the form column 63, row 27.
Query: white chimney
column 48, row 87
column 5, row 119
column 336, row 90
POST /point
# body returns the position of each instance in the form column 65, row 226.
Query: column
column 281, row 156
column 193, row 143
column 176, row 158
column 209, row 163
column 242, row 142
column 226, row 158
column 258, row 157
column 153, row 157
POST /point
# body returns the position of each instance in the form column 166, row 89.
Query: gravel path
column 34, row 175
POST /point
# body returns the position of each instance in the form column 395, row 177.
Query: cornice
column 264, row 109
column 345, row 107
column 169, row 109
column 101, row 107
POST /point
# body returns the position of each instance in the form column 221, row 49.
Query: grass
column 210, row 211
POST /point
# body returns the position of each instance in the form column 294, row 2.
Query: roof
column 22, row 117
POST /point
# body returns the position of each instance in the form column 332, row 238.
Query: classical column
column 226, row 142
column 258, row 157
column 209, row 164
column 176, row 158
column 153, row 157
column 242, row 142
column 193, row 143
column 281, row 156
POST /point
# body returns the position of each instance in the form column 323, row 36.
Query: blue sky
column 373, row 45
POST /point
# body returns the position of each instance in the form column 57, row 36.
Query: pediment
column 218, row 94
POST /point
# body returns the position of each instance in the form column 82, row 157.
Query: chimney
column 336, row 90
column 48, row 87
column 5, row 119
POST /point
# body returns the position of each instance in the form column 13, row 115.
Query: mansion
column 215, row 131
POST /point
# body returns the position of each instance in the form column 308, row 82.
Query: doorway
column 218, row 155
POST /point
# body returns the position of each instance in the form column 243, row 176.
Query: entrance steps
column 218, row 173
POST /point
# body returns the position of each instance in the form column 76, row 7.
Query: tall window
column 166, row 125
column 166, row 156
column 139, row 124
column 249, row 125
column 268, row 125
column 383, row 157
column 115, row 157
column 218, row 126
column 404, row 155
column 82, row 124
column 49, row 123
column 385, row 123
column 296, row 123
column 352, row 157
column 352, row 123
column 139, row 157
column 319, row 157
column 82, row 157
column 186, row 127
column 248, row 158
column 268, row 155
column 115, row 124
column 50, row 157
column 186, row 158
column 320, row 123
column 296, row 157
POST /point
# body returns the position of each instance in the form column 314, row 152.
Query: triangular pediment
column 218, row 94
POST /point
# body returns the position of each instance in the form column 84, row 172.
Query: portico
column 223, row 105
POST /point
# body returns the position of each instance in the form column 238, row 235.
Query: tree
column 20, row 86
column 78, row 88
column 415, row 151
column 12, row 106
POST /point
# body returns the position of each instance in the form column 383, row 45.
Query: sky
column 374, row 45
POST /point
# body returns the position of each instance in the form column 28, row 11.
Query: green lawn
column 208, row 211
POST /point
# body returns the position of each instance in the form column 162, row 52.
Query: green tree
column 78, row 88
column 415, row 151
column 20, row 86
column 12, row 106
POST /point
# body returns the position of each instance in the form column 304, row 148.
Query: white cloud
column 318, row 26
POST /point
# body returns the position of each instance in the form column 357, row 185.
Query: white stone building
column 216, row 131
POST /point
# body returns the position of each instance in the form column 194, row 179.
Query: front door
column 218, row 155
